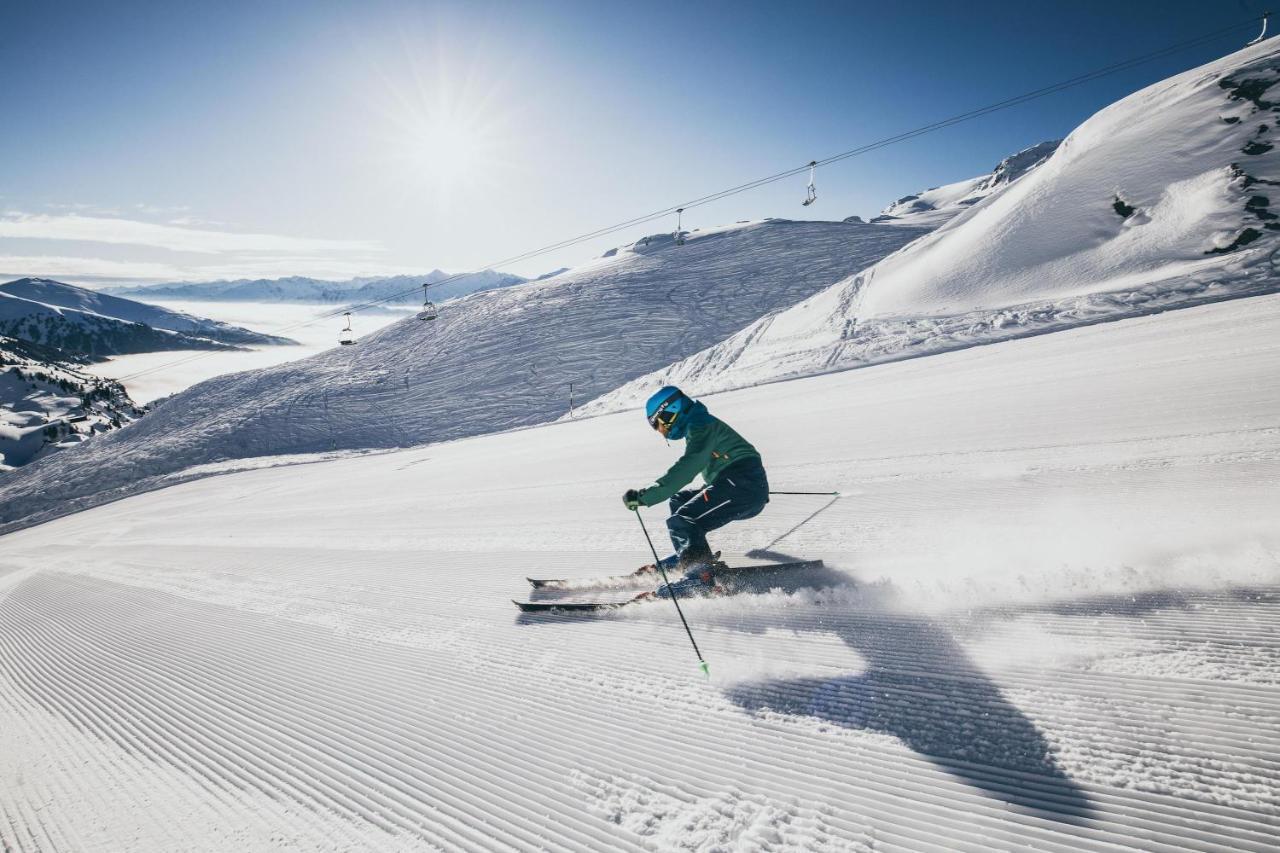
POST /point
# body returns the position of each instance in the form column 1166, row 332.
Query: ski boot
column 668, row 563
column 699, row 577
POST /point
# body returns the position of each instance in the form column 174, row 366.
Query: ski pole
column 657, row 562
column 804, row 493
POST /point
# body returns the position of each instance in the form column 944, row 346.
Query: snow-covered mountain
column 937, row 206
column 1162, row 200
column 48, row 404
column 400, row 289
column 55, row 294
column 492, row 361
column 85, row 332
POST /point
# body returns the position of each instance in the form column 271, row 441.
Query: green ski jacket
column 711, row 445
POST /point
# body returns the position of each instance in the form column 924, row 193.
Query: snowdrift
column 1162, row 200
column 493, row 361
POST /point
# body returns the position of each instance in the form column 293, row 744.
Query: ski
column 542, row 606
column 617, row 580
column 587, row 583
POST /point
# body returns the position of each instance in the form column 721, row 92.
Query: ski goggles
column 662, row 420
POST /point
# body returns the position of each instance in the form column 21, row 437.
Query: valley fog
column 178, row 370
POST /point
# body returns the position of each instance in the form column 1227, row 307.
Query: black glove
column 632, row 499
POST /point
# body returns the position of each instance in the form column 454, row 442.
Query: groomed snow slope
column 492, row 361
column 1051, row 624
column 1162, row 200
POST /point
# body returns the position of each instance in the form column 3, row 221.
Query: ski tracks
column 885, row 731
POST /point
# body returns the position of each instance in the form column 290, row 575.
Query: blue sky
column 166, row 140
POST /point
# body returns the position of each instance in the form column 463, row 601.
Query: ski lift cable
column 758, row 182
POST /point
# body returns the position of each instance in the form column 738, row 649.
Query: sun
column 447, row 151
column 443, row 126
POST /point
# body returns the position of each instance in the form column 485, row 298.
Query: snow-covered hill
column 1162, row 200
column 47, row 403
column 55, row 294
column 1050, row 624
column 400, row 289
column 85, row 332
column 937, row 206
column 494, row 360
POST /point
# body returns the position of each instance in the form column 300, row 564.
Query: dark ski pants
column 740, row 491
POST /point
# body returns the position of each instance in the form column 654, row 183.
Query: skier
column 735, row 486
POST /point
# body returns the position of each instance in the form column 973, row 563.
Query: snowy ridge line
column 387, row 805
column 975, row 847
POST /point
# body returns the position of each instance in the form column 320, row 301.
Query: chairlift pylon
column 1262, row 34
column 679, row 235
column 347, row 337
column 811, row 192
column 428, row 311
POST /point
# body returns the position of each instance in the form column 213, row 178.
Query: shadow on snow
column 919, row 686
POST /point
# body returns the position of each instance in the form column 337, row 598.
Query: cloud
column 87, row 271
column 63, row 268
column 101, row 229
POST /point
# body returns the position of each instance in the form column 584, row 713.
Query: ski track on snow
column 341, row 724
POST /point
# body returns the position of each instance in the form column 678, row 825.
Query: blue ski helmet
column 664, row 410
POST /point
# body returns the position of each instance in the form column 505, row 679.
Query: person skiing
column 735, row 486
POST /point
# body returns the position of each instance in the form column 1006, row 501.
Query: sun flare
column 447, row 150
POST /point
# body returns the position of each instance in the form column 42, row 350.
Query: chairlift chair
column 428, row 311
column 347, row 337
column 679, row 235
column 1262, row 34
column 811, row 193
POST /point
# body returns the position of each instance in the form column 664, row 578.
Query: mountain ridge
column 494, row 360
column 69, row 297
column 1158, row 201
column 396, row 289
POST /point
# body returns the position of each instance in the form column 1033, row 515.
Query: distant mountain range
column 75, row 320
column 395, row 290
